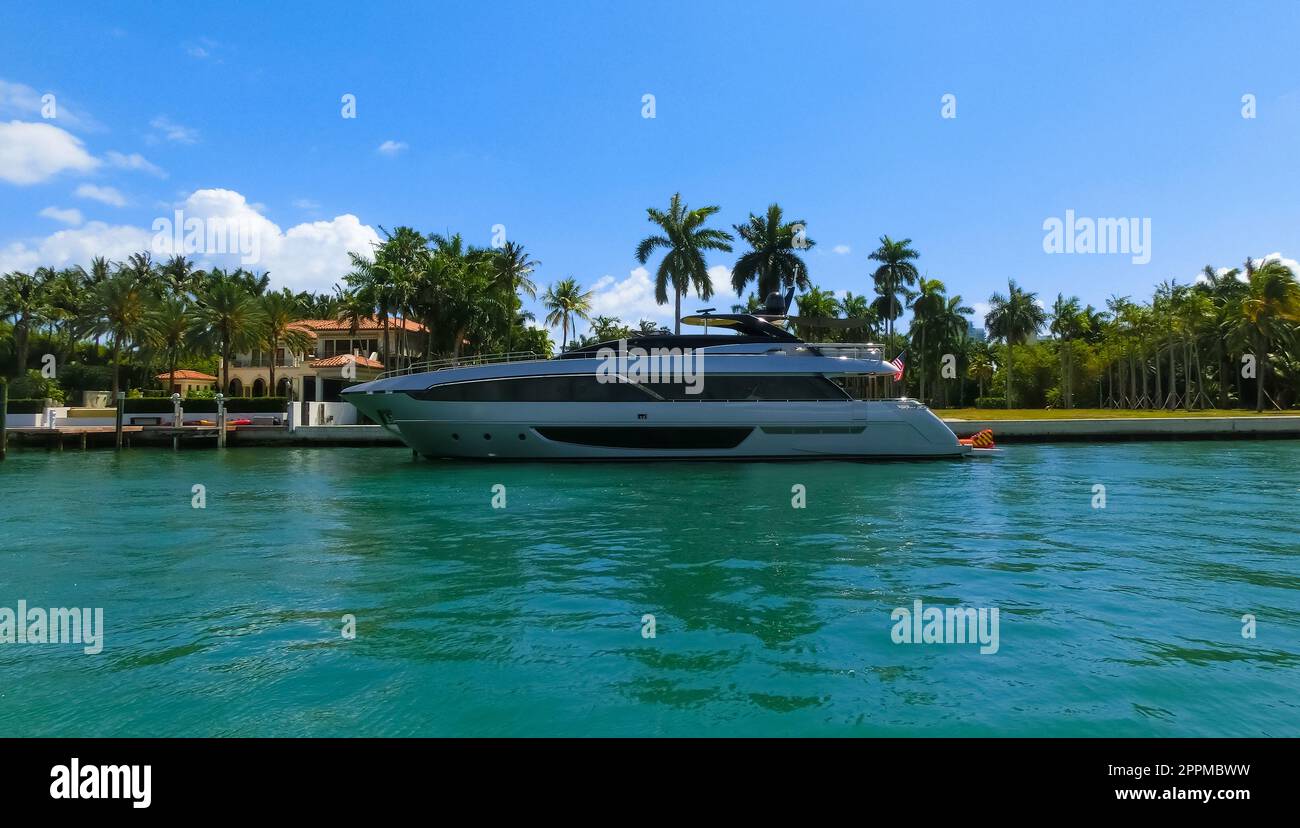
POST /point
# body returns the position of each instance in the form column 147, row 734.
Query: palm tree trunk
column 1262, row 364
column 116, row 366
column 1008, row 373
column 677, row 313
column 1223, row 374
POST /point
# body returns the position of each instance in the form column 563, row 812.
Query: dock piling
column 117, row 425
column 221, row 421
column 176, row 420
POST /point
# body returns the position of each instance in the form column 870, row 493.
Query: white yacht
column 756, row 393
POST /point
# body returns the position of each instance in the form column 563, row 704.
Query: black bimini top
column 749, row 330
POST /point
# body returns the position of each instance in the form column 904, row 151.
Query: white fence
column 322, row 414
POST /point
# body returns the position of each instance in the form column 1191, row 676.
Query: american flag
column 897, row 362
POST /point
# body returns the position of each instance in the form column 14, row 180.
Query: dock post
column 117, row 425
column 176, row 420
column 221, row 421
column 4, row 411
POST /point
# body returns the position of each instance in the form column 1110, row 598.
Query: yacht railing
column 462, row 362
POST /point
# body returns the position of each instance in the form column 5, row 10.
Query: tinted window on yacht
column 753, row 387
column 575, row 388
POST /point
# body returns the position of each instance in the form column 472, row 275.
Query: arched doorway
column 283, row 387
column 259, row 387
column 236, row 388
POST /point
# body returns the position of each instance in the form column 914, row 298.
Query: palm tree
column 512, row 268
column 773, row 260
column 280, row 312
column 180, row 276
column 951, row 327
column 373, row 282
column 22, row 299
column 927, row 308
column 858, row 307
column 684, row 238
column 1266, row 315
column 979, row 364
column 1013, row 319
column 1066, row 325
column 121, row 311
column 169, row 326
column 814, row 305
column 229, row 318
column 565, row 301
column 894, row 273
column 1224, row 290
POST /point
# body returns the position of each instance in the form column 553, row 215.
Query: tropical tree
column 1012, row 319
column 684, row 239
column 1265, row 316
column 772, row 262
column 22, row 300
column 566, row 302
column 169, row 327
column 858, row 307
column 894, row 274
column 228, row 319
column 815, row 305
column 121, row 311
column 1066, row 325
column 280, row 312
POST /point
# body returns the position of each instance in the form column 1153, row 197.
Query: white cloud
column 308, row 256
column 134, row 161
column 18, row 100
column 78, row 246
column 391, row 147
column 981, row 310
column 633, row 298
column 31, row 153
column 197, row 52
column 70, row 216
column 104, row 195
column 170, row 130
column 1241, row 275
column 841, row 250
column 306, row 204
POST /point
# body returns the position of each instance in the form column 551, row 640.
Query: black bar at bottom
column 330, row 776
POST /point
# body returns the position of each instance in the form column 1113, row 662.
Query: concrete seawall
column 1131, row 428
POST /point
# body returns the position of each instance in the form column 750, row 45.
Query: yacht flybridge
column 756, row 393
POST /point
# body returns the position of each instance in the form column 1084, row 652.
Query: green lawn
column 1088, row 413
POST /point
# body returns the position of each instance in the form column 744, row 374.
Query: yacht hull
column 748, row 430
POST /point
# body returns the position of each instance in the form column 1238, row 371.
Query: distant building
column 975, row 333
column 320, row 373
column 187, row 381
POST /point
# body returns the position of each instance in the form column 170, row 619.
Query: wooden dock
column 57, row 436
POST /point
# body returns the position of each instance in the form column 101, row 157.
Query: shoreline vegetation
column 1223, row 345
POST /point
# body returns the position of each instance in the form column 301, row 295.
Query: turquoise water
column 769, row 620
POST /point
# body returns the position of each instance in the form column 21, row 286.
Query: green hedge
column 236, row 405
column 21, row 406
column 990, row 402
column 250, row 405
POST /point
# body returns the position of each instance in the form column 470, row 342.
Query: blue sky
column 530, row 116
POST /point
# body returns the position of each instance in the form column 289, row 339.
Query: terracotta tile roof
column 189, row 375
column 372, row 323
column 342, row 359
